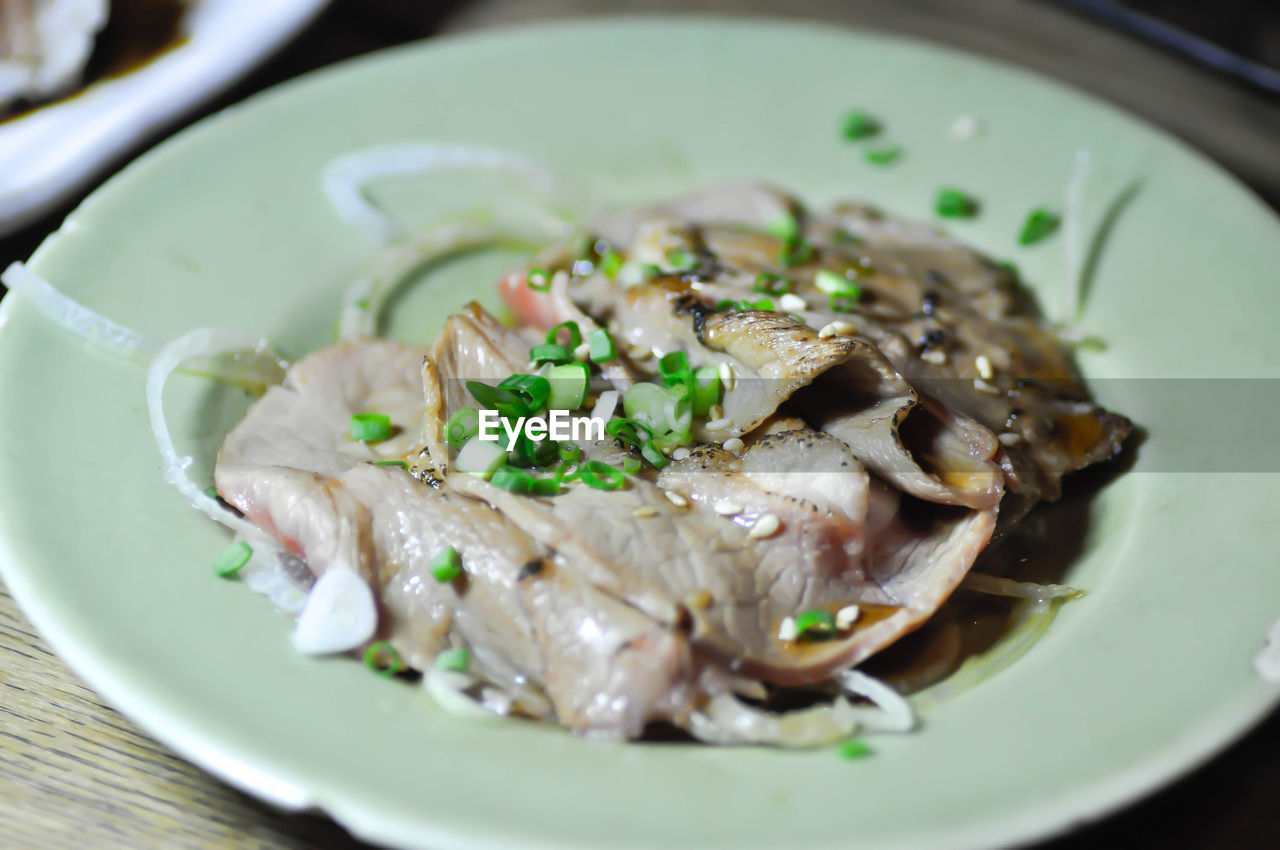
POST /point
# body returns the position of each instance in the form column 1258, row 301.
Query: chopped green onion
column 630, row 465
column 762, row 304
column 844, row 303
column 858, row 125
column 506, row 401
column 610, row 263
column 571, row 328
column 1040, row 224
column 453, row 659
column 382, row 658
column 567, row 471
column 447, row 565
column 568, row 386
column 539, row 280
column 462, row 426
column 600, row 346
column 853, row 749
column 833, row 283
column 480, row 457
column 660, row 408
column 673, row 364
column 815, row 625
column 571, row 452
column 794, row 252
column 651, row 453
column 519, row 481
column 541, row 354
column 634, row 274
column 400, row 464
column 602, row 476
column 784, row 226
column 884, row 155
column 370, row 427
column 681, row 259
column 211, row 492
column 706, row 390
column 533, row 390
column 533, row 454
column 630, row 431
column 232, row 559
column 953, row 203
column 772, row 284
column 726, row 304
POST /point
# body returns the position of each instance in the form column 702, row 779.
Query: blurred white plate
column 48, row 153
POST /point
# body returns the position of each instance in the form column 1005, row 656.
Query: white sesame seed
column 724, row 507
column 676, row 499
column 733, row 444
column 582, row 352
column 787, row 629
column 644, row 511
column 936, row 356
column 560, row 278
column 726, row 375
column 827, row 331
column 983, row 364
column 847, row 616
column 766, row 526
column 680, row 454
column 716, row 412
column 984, row 387
column 1009, row 438
column 843, row 328
column 719, row 424
column 793, row 303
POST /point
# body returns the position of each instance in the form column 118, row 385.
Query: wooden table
column 75, row 774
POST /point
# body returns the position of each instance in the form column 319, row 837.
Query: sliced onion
column 606, row 404
column 727, row 720
column 892, row 712
column 345, row 178
column 340, row 614
column 203, row 341
column 999, row 586
column 280, row 576
column 77, row 318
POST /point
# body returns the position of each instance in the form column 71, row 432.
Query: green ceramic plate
column 226, row 224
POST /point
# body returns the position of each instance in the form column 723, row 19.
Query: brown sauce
column 137, row 32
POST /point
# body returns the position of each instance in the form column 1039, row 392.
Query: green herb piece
column 833, row 283
column 773, row 284
column 568, row 386
column 610, row 263
column 601, row 476
column 462, row 426
column 706, row 390
column 453, row 659
column 954, row 203
column 446, row 565
column 399, row 464
column 858, row 125
column 681, row 259
column 370, row 427
column 600, row 346
column 795, row 252
column 815, row 625
column 843, row 303
column 549, row 353
column 853, row 749
column 653, row 454
column 784, row 226
column 539, row 280
column 630, row 465
column 524, row 483
column 1040, row 224
column 232, row 559
column 571, row 328
column 382, row 658
column 883, row 155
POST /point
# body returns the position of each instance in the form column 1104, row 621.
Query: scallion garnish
column 570, row 452
column 681, row 259
column 726, row 304
column 610, row 263
column 370, row 427
column 858, row 125
column 506, row 401
column 706, row 390
column 651, row 453
column 568, row 386
column 773, row 284
column 795, row 252
column 211, row 492
column 549, row 353
column 453, row 659
column 446, row 565
column 382, row 658
column 570, row 328
column 567, row 471
column 600, row 347
column 630, row 465
column 834, row 284
column 398, row 464
column 462, row 426
column 533, row 454
column 883, row 155
column 761, row 304
column 232, row 559
column 602, row 476
column 673, row 367
column 784, row 226
column 815, row 625
column 954, row 203
column 515, row 480
column 853, row 749
column 539, row 280
column 1040, row 224
column 843, row 303
column 630, row 431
